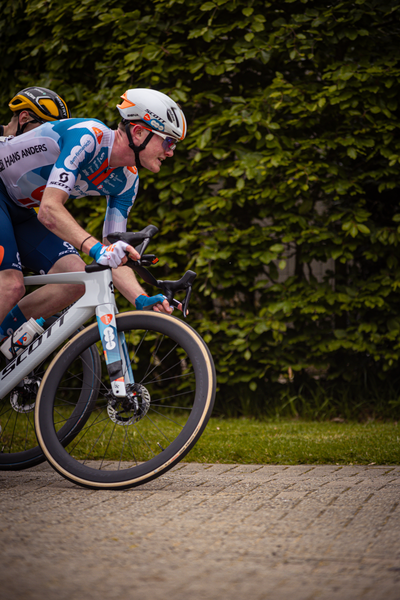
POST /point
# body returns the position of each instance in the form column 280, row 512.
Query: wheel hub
column 23, row 397
column 129, row 410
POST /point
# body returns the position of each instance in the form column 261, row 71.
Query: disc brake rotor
column 23, row 398
column 129, row 410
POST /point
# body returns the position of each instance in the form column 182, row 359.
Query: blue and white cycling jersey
column 71, row 155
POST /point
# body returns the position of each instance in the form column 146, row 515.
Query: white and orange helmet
column 154, row 110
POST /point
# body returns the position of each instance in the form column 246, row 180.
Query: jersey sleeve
column 78, row 147
column 119, row 207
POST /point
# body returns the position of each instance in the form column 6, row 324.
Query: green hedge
column 292, row 154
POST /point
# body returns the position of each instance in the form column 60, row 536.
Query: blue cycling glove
column 142, row 302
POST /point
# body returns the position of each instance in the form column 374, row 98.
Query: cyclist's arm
column 125, row 281
column 118, row 208
column 53, row 215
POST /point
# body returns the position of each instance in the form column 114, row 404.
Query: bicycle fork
column 115, row 350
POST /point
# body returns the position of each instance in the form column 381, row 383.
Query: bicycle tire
column 16, row 412
column 121, row 445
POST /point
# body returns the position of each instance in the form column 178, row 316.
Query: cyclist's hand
column 113, row 255
column 165, row 307
column 159, row 303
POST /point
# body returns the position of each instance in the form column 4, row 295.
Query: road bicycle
column 135, row 416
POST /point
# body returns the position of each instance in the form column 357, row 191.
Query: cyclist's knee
column 68, row 263
column 73, row 292
column 12, row 285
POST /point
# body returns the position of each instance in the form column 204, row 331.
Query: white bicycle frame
column 98, row 300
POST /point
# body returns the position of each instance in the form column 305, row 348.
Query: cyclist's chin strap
column 21, row 128
column 137, row 149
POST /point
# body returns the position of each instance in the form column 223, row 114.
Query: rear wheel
column 129, row 441
column 18, row 444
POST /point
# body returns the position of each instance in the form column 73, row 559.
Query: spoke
column 30, row 423
column 164, row 379
column 11, row 412
column 109, row 440
column 160, row 363
column 175, row 396
column 145, row 441
column 167, row 418
column 89, row 426
column 139, row 345
column 94, row 443
column 122, row 451
column 154, row 353
column 130, row 445
column 172, row 406
column 128, row 441
column 158, row 429
column 13, row 428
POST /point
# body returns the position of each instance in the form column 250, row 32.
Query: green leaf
column 363, row 228
column 207, row 6
column 277, row 248
column 205, row 138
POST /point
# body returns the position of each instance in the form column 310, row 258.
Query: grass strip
column 291, row 442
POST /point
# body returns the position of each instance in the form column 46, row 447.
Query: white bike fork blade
column 105, row 314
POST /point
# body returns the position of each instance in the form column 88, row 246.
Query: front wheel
column 129, row 441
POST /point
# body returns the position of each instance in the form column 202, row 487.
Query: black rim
column 152, row 429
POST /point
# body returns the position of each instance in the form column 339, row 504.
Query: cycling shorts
column 24, row 241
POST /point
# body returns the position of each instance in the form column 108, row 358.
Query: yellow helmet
column 45, row 104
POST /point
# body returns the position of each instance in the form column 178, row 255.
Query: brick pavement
column 204, row 532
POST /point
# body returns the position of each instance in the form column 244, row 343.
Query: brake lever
column 170, row 287
column 185, row 303
column 142, row 247
column 133, row 238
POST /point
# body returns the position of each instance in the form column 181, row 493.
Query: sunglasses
column 169, row 143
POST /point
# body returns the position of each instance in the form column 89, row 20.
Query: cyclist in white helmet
column 164, row 119
column 68, row 159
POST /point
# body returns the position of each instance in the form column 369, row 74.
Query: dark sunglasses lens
column 169, row 144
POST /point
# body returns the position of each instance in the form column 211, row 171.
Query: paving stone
column 204, row 532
